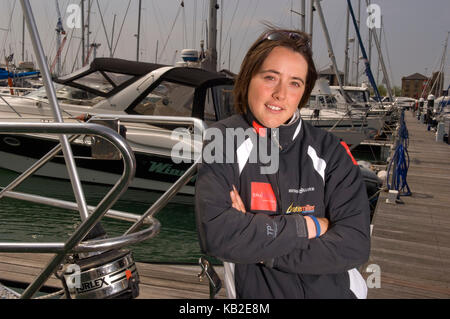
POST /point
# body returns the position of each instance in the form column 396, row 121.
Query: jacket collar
column 287, row 133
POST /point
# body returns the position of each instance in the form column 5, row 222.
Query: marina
column 414, row 232
column 98, row 164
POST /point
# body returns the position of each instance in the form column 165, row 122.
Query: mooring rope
column 400, row 162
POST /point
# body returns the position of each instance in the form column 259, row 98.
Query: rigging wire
column 173, row 26
column 322, row 47
column 220, row 35
column 120, row 31
column 434, row 68
column 9, row 25
column 160, row 13
column 194, row 25
column 387, row 54
column 183, row 31
column 104, row 27
column 255, row 8
column 99, row 26
column 160, row 29
column 67, row 50
column 231, row 23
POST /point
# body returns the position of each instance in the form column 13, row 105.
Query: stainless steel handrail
column 199, row 132
column 131, row 236
column 120, row 241
column 86, row 246
column 88, row 220
column 116, row 191
column 51, row 94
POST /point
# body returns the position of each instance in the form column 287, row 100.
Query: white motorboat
column 351, row 125
column 124, row 90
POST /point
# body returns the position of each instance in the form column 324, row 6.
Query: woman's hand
column 236, row 201
column 312, row 231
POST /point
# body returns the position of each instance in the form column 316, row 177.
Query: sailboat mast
column 363, row 52
column 357, row 47
column 378, row 64
column 212, row 36
column 138, row 30
column 311, row 22
column 59, row 30
column 23, row 38
column 302, row 15
column 346, row 69
column 330, row 48
column 383, row 66
column 440, row 77
column 370, row 43
column 88, row 25
column 54, row 105
column 83, row 49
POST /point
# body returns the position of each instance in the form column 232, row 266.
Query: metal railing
column 62, row 249
column 90, row 216
column 74, row 244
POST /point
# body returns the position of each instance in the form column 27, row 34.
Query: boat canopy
column 107, row 76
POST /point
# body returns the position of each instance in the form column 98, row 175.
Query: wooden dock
column 411, row 241
column 157, row 281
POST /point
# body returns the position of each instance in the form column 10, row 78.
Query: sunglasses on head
column 278, row 35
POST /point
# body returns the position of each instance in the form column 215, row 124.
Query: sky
column 412, row 37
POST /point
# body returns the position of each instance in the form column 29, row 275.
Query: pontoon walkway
column 411, row 241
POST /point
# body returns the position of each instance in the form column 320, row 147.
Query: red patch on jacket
column 263, row 197
column 348, row 152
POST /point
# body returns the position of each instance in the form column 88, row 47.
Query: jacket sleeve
column 346, row 244
column 233, row 236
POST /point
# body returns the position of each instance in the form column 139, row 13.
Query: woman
column 301, row 231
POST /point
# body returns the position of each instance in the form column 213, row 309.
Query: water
column 22, row 221
column 177, row 241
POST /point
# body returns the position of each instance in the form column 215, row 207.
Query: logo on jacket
column 263, row 197
column 308, row 209
column 301, row 190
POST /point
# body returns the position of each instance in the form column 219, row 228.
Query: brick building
column 413, row 85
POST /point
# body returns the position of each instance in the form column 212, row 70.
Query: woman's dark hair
column 296, row 40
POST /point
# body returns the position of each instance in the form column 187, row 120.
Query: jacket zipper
column 275, row 138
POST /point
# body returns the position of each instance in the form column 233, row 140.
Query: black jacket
column 269, row 244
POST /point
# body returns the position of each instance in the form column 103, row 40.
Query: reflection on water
column 22, row 221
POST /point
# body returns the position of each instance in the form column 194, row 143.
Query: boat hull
column 153, row 172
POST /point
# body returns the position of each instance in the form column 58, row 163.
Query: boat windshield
column 167, row 99
column 357, row 96
column 174, row 99
column 99, row 82
column 68, row 95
